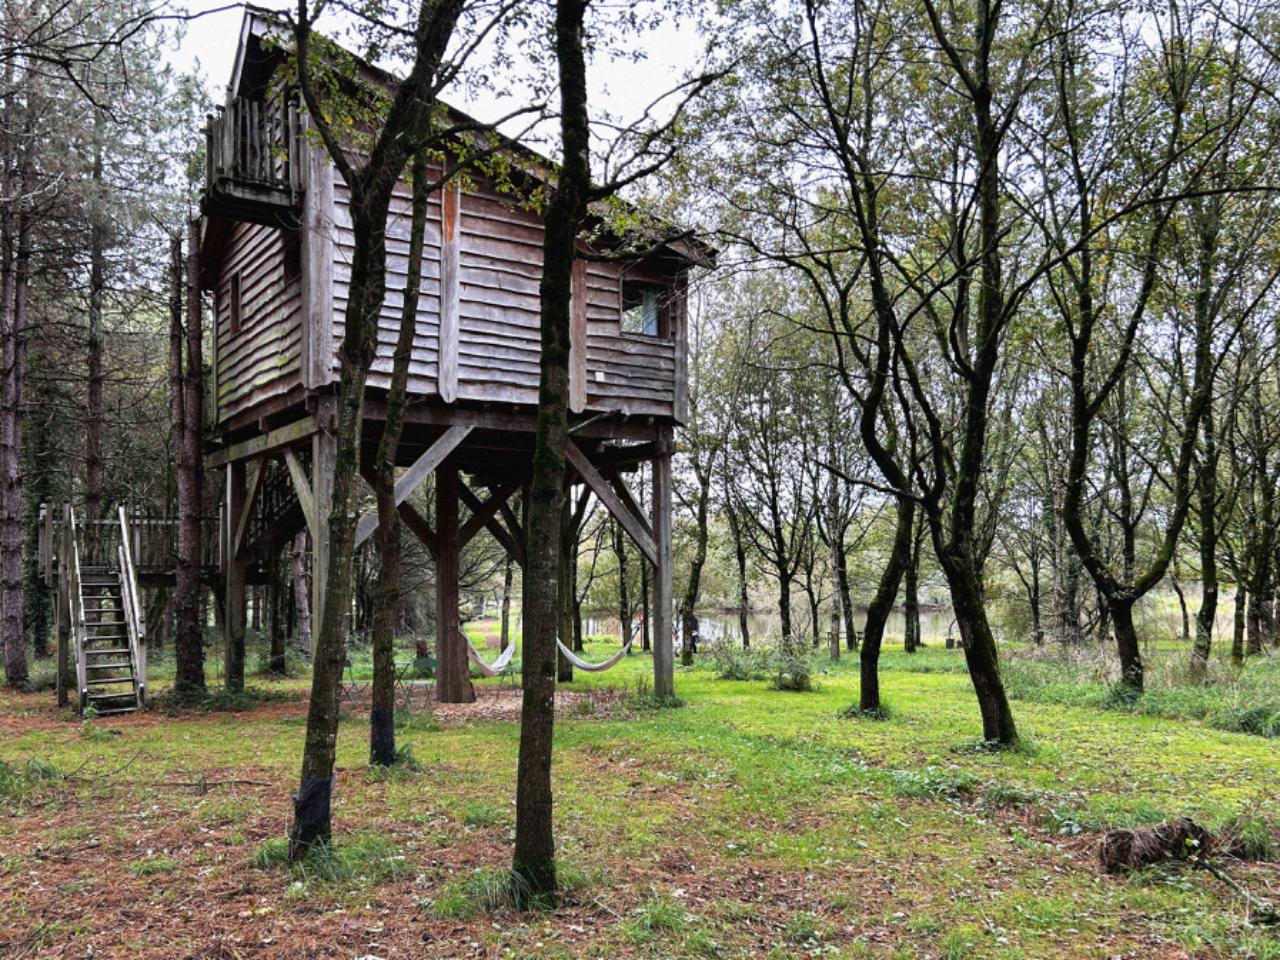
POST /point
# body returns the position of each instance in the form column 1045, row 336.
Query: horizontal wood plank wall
column 262, row 360
column 424, row 360
column 499, row 269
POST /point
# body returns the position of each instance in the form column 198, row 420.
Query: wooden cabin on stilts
column 276, row 245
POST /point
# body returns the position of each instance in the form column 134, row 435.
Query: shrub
column 732, row 662
column 793, row 672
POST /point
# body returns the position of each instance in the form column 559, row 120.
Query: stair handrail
column 79, row 629
column 135, row 624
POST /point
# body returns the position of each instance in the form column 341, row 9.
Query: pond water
column 721, row 625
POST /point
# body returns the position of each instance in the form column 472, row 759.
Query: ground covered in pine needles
column 748, row 822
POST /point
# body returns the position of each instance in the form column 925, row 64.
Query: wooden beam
column 324, row 452
column 613, row 503
column 624, row 494
column 246, row 511
column 500, row 533
column 302, row 487
column 514, row 421
column 317, row 266
column 578, row 337
column 420, row 528
column 450, row 268
column 265, row 443
column 479, row 518
column 453, row 680
column 412, row 478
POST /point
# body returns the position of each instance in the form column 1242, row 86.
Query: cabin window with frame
column 642, row 309
column 233, row 304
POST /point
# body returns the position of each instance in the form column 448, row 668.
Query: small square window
column 640, row 309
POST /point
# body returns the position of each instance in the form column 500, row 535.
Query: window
column 640, row 309
column 234, row 305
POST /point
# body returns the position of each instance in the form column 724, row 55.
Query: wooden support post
column 317, row 268
column 663, row 675
column 234, row 569
column 450, row 269
column 578, row 338
column 323, row 452
column 453, row 676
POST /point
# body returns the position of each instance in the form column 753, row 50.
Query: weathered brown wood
column 450, row 249
column 302, row 487
column 323, row 453
column 635, row 529
column 453, row 680
column 413, row 477
column 317, row 256
column 246, row 511
column 680, row 334
column 484, row 512
column 264, row 443
column 578, row 339
column 513, row 546
column 234, row 579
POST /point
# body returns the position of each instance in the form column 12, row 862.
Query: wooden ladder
column 106, row 621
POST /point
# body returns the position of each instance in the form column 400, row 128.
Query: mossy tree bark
column 533, row 860
column 371, row 185
column 382, row 727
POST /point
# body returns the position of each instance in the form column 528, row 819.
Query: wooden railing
column 135, row 621
column 254, row 142
column 79, row 629
column 153, row 541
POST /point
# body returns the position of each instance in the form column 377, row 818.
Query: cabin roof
column 255, row 64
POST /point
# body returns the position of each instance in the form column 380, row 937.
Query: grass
column 749, row 822
column 1239, row 700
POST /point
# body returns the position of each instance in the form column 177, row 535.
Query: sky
column 622, row 89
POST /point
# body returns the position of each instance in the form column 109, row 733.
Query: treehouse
column 275, row 253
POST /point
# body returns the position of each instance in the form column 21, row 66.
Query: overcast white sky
column 623, row 89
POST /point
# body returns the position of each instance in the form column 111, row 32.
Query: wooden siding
column 424, row 360
column 261, row 360
column 499, row 268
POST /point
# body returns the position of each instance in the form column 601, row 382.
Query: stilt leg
column 453, row 677
column 234, row 618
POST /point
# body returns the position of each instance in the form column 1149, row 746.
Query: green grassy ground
column 746, row 823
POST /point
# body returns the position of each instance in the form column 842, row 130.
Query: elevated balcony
column 254, row 162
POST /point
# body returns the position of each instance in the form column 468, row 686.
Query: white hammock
column 498, row 667
column 586, row 665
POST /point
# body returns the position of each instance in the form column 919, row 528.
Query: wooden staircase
column 106, row 622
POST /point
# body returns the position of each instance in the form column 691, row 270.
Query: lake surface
column 718, row 625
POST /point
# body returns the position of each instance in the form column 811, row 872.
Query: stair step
column 108, row 666
column 106, row 681
column 111, row 710
column 100, row 652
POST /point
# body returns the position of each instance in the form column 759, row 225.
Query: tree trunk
column 505, row 637
column 97, row 289
column 1238, row 625
column 881, row 605
column 846, row 601
column 625, row 624
column 15, row 362
column 276, row 591
column 740, row 559
column 1131, row 670
column 644, row 605
column 533, row 860
column 382, row 727
column 694, row 584
column 185, row 414
column 911, row 598
column 302, row 592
